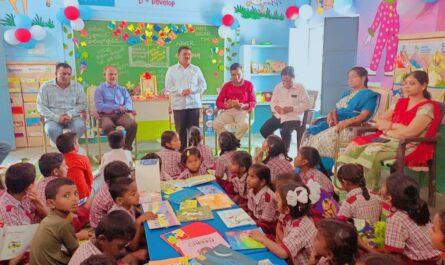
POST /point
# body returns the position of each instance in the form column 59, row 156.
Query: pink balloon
column 228, row 20
column 292, row 12
column 22, row 35
column 71, row 12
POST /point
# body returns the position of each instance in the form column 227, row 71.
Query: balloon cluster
column 300, row 13
column 25, row 34
column 226, row 22
column 73, row 14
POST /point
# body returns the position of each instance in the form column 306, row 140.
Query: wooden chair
column 307, row 116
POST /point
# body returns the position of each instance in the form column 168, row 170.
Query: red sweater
column 244, row 93
column 79, row 171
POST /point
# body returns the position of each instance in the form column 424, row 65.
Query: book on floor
column 235, row 218
column 194, row 214
column 172, row 261
column 215, row 201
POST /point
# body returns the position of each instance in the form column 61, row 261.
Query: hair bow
column 314, row 191
column 293, row 197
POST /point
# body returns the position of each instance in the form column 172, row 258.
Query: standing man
column 115, row 106
column 289, row 101
column 185, row 83
column 61, row 102
column 237, row 97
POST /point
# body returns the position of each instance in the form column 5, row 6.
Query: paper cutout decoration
column 240, row 240
column 197, row 246
column 166, row 215
column 194, row 214
column 235, row 218
column 215, row 201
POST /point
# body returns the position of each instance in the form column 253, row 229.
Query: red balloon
column 22, row 35
column 71, row 12
column 228, row 20
column 292, row 12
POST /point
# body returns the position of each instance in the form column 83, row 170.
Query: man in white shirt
column 289, row 101
column 185, row 83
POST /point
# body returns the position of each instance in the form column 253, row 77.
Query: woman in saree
column 356, row 105
column 414, row 115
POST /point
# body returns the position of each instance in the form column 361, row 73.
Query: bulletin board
column 138, row 47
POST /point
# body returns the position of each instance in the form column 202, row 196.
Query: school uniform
column 264, row 208
column 405, row 237
column 222, row 169
column 171, row 162
column 298, row 239
column 165, row 176
column 84, row 251
column 279, row 165
column 319, row 177
column 356, row 206
column 102, row 203
column 187, row 174
column 14, row 212
column 206, row 154
column 131, row 212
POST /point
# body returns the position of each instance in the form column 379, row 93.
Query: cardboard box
column 35, row 141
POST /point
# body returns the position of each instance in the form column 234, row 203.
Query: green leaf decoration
column 65, row 29
column 227, row 68
column 70, row 53
column 69, row 36
column 229, row 39
column 227, row 50
column 232, row 44
column 234, row 54
column 65, row 46
column 229, row 58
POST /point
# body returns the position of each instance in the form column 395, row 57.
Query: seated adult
column 115, row 106
column 356, row 105
column 415, row 115
column 236, row 99
column 61, row 102
column 289, row 101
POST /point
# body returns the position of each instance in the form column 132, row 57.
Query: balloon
column 71, row 3
column 30, row 44
column 409, row 8
column 37, row 32
column 224, row 31
column 292, row 12
column 71, row 13
column 86, row 12
column 9, row 37
column 228, row 10
column 235, row 24
column 22, row 21
column 61, row 17
column 78, row 24
column 343, row 7
column 228, row 20
column 22, row 35
column 306, row 12
column 303, row 2
column 217, row 20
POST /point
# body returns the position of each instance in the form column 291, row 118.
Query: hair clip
column 300, row 194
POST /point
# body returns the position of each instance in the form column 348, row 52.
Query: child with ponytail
column 195, row 140
column 359, row 202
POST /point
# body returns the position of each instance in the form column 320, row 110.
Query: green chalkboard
column 107, row 44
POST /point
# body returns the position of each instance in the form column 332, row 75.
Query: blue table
column 159, row 249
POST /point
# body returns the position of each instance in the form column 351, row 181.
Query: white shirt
column 110, row 156
column 295, row 97
column 178, row 79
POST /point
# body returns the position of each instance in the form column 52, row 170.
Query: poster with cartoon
column 14, row 240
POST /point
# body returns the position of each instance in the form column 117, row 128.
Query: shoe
column 370, row 72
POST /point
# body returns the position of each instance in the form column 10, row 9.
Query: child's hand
column 32, row 195
column 145, row 217
column 257, row 235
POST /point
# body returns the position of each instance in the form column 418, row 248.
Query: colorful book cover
column 235, row 217
column 148, row 197
column 222, row 255
column 167, row 190
column 215, row 201
column 195, row 247
column 182, row 195
column 188, row 204
column 209, row 189
column 166, row 215
column 194, row 214
column 173, row 261
column 14, row 240
column 240, row 240
column 193, row 181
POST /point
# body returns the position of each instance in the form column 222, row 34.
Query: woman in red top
column 415, row 115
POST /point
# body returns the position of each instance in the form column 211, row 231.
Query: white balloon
column 37, row 32
column 306, row 12
column 228, row 9
column 224, row 31
column 78, row 24
column 10, row 38
column 70, row 3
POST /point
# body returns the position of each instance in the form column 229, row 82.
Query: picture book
column 194, row 214
column 14, row 240
column 195, row 247
column 182, row 195
column 235, row 217
column 166, row 215
column 173, row 261
column 148, row 178
column 222, row 255
column 188, row 204
column 209, row 189
column 215, row 201
column 146, row 197
column 193, row 181
column 240, row 240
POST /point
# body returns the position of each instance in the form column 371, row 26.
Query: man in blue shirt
column 115, row 106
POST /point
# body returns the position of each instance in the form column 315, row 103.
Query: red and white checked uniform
column 239, row 185
column 298, row 239
column 187, row 174
column 171, row 162
column 14, row 212
column 84, row 251
column 405, row 237
column 165, row 176
column 263, row 204
column 318, row 177
column 206, row 154
column 279, row 165
column 41, row 186
column 356, row 206
column 102, row 203
column 222, row 164
column 131, row 212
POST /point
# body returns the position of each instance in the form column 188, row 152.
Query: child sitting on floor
column 437, row 232
column 228, row 144
column 171, row 158
column 192, row 161
column 112, row 234
column 195, row 139
column 103, row 202
column 164, row 176
column 55, row 240
column 79, row 167
column 261, row 201
column 239, row 166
